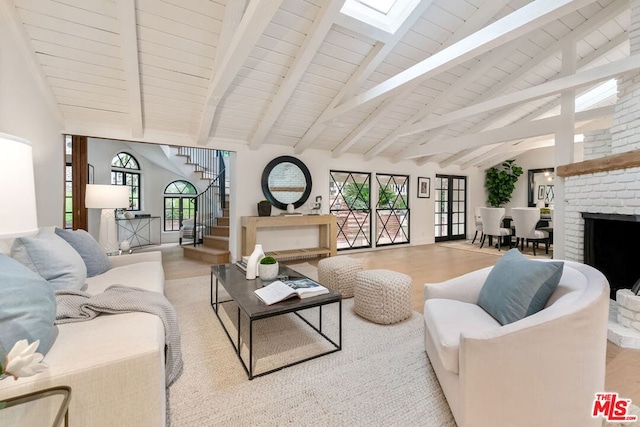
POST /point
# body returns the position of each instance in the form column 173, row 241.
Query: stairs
column 215, row 247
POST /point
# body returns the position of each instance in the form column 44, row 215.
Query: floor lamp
column 18, row 216
column 108, row 198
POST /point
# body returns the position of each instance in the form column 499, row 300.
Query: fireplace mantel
column 629, row 159
column 611, row 217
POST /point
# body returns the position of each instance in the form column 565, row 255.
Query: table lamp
column 108, row 198
column 18, row 216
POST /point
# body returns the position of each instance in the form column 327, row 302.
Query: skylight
column 382, row 6
column 386, row 15
column 597, row 95
column 603, row 94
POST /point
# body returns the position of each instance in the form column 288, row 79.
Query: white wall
column 23, row 113
column 250, row 165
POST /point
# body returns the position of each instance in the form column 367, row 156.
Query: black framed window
column 350, row 201
column 392, row 210
column 68, row 196
column 179, row 204
column 125, row 171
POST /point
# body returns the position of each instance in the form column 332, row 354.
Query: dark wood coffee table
column 234, row 281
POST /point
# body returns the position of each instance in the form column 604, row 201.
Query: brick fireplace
column 607, row 186
column 611, row 245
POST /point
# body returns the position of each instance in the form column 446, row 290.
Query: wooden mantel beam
column 626, row 160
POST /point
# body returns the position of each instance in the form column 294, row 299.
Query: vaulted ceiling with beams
column 467, row 82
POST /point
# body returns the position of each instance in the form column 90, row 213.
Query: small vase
column 268, row 271
column 252, row 263
column 264, row 208
column 290, row 208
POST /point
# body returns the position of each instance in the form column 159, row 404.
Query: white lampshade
column 106, row 196
column 18, row 216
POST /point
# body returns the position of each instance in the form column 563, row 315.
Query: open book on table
column 280, row 290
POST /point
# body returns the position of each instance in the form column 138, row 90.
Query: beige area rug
column 466, row 245
column 380, row 377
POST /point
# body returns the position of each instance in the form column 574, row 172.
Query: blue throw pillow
column 27, row 307
column 52, row 258
column 94, row 257
column 518, row 287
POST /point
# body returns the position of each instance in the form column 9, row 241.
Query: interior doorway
column 450, row 193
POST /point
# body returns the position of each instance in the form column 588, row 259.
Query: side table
column 138, row 231
column 63, row 410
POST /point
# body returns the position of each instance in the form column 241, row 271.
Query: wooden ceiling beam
column 128, row 34
column 574, row 81
column 478, row 20
column 595, row 55
column 366, row 68
column 513, row 148
column 254, row 21
column 460, row 84
column 458, row 156
column 319, row 29
column 520, row 130
column 528, row 18
column 507, row 133
column 584, row 29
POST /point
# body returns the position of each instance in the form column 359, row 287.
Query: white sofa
column 114, row 364
column 543, row 370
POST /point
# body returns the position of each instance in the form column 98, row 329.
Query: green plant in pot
column 501, row 181
column 268, row 268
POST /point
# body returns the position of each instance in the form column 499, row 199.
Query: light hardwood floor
column 431, row 264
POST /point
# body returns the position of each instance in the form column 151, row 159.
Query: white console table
column 327, row 231
column 140, row 231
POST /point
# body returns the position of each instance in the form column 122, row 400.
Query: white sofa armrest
column 120, row 260
column 465, row 288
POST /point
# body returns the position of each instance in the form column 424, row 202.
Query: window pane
column 349, row 200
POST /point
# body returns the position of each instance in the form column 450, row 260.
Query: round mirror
column 286, row 180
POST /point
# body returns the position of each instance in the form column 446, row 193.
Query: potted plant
column 501, row 181
column 268, row 268
column 264, row 208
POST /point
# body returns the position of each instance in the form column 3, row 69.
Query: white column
column 564, row 150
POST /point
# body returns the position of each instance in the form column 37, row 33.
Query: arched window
column 179, row 204
column 123, row 166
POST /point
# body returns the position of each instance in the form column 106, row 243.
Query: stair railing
column 209, row 204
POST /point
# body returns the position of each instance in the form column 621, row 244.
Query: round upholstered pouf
column 382, row 296
column 338, row 273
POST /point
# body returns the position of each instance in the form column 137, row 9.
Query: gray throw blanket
column 78, row 306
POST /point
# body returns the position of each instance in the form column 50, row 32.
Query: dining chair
column 478, row 221
column 492, row 225
column 525, row 220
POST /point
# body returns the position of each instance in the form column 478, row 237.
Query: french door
column 450, row 194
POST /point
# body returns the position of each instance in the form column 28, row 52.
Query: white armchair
column 543, row 370
column 191, row 231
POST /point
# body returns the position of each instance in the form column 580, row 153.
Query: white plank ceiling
column 447, row 86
